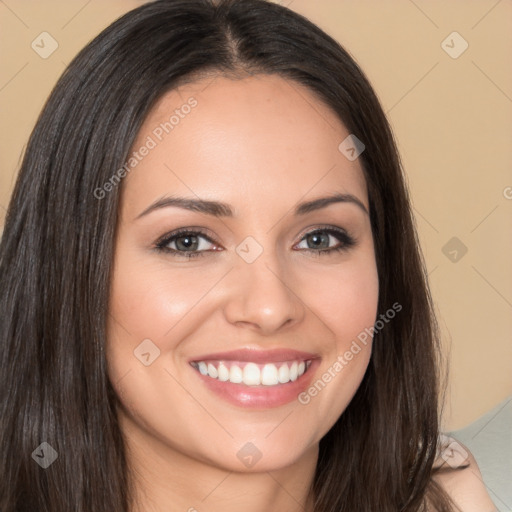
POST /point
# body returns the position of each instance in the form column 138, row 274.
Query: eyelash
column 347, row 242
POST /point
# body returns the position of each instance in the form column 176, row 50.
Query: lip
column 257, row 356
column 258, row 397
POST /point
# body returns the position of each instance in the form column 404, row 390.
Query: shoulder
column 457, row 472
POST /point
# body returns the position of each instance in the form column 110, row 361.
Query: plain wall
column 452, row 118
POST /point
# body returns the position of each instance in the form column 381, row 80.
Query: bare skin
column 460, row 476
column 262, row 145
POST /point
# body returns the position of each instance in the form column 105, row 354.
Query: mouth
column 256, row 378
column 253, row 374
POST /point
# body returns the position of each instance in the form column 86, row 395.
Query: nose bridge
column 262, row 294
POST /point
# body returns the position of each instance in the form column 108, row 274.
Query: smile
column 253, row 374
column 256, row 379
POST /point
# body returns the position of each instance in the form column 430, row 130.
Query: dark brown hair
column 58, row 243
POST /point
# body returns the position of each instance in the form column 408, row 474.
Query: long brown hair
column 57, row 249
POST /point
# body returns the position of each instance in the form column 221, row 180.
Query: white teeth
column 283, row 375
column 212, row 371
column 269, row 375
column 235, row 374
column 252, row 374
column 203, row 368
column 294, row 371
column 223, row 372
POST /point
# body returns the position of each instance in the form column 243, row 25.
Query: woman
column 212, row 291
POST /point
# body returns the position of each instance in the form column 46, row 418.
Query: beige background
column 452, row 118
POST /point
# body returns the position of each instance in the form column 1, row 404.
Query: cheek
column 152, row 308
column 149, row 300
column 345, row 299
column 346, row 302
column 149, row 307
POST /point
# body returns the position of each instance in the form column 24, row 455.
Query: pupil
column 188, row 242
column 317, row 238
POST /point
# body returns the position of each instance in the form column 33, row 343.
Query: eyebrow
column 219, row 209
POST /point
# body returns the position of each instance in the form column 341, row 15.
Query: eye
column 191, row 243
column 322, row 237
column 188, row 243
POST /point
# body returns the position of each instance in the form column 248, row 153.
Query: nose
column 262, row 297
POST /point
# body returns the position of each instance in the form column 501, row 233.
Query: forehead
column 259, row 138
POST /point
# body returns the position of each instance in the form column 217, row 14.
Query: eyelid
column 346, row 240
column 182, row 231
column 206, row 232
column 322, row 227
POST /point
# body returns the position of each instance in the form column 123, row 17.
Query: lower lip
column 259, row 397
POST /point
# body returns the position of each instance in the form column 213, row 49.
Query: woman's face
column 256, row 301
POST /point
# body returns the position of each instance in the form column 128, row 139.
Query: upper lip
column 257, row 355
